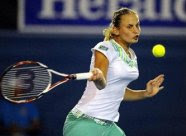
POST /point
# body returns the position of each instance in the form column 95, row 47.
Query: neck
column 123, row 44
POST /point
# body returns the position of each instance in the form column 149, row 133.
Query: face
column 129, row 30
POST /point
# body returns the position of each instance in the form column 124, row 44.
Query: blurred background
column 60, row 34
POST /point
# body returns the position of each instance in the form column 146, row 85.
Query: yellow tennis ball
column 158, row 50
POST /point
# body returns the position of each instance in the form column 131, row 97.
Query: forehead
column 132, row 19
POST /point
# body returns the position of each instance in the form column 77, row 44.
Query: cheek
column 126, row 36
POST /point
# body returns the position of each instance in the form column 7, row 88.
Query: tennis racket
column 27, row 81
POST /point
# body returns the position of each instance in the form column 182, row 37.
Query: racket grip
column 82, row 76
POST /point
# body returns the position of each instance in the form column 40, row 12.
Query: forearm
column 100, row 70
column 134, row 95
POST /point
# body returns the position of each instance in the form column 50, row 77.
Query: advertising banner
column 157, row 17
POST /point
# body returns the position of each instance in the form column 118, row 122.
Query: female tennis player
column 114, row 66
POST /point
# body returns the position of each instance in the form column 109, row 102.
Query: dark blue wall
column 163, row 115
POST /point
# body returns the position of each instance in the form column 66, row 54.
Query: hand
column 96, row 75
column 153, row 86
column 98, row 78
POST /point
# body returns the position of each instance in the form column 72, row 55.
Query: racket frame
column 50, row 86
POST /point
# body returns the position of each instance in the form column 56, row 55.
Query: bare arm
column 133, row 95
column 100, row 70
column 152, row 88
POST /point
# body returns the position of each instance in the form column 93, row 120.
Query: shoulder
column 104, row 46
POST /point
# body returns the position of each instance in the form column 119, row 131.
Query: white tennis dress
column 104, row 104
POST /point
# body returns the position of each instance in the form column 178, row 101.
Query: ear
column 115, row 31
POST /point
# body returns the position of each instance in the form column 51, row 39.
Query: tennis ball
column 158, row 50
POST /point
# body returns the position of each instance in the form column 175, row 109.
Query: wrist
column 146, row 94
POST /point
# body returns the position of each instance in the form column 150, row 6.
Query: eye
column 129, row 26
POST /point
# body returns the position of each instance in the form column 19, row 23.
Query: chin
column 136, row 40
column 133, row 41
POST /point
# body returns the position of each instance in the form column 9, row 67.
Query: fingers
column 159, row 77
column 161, row 88
column 158, row 80
column 96, row 74
column 153, row 86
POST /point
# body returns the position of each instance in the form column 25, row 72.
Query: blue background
column 33, row 7
column 163, row 115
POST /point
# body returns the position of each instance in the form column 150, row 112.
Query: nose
column 136, row 30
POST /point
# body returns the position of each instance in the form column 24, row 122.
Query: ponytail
column 107, row 33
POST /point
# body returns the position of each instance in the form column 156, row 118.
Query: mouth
column 136, row 37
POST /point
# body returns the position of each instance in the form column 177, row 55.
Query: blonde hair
column 107, row 32
column 116, row 20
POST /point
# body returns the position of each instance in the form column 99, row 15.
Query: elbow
column 100, row 84
column 100, row 87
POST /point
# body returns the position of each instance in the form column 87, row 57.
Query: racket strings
column 28, row 83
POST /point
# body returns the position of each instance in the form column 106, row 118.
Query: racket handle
column 82, row 76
